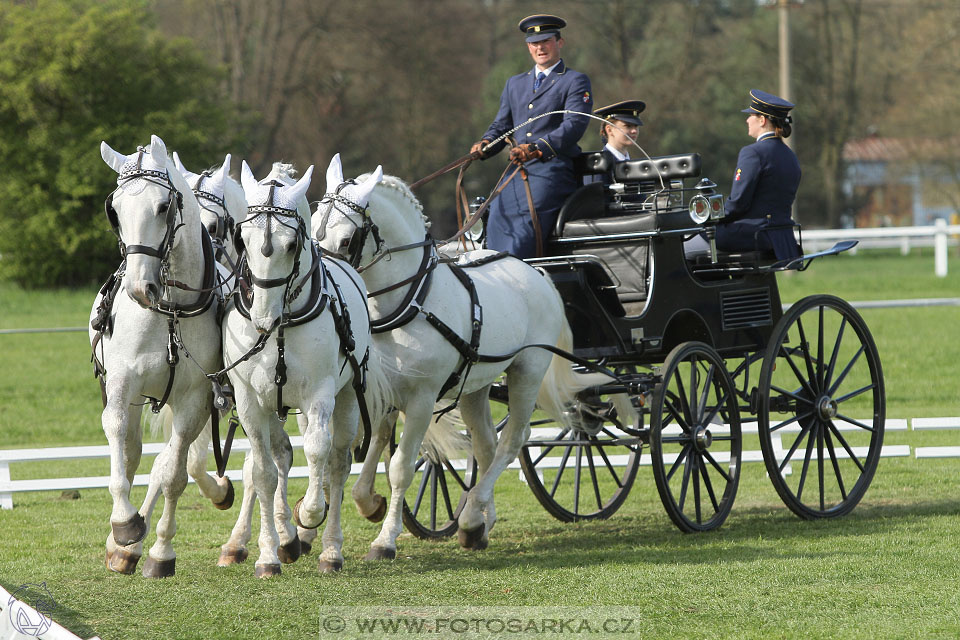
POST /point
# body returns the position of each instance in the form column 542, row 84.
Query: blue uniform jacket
column 763, row 191
column 552, row 179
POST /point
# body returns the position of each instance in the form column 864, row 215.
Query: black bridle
column 362, row 231
column 174, row 211
column 283, row 217
column 225, row 224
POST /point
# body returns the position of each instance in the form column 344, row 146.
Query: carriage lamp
column 699, row 209
column 716, row 206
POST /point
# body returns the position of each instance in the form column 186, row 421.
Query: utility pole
column 785, row 90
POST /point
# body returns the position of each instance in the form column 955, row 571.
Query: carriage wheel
column 582, row 472
column 441, row 490
column 822, row 374
column 695, row 440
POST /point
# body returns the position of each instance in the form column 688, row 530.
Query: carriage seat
column 628, row 259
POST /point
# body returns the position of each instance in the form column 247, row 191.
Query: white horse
column 222, row 205
column 142, row 319
column 235, row 550
column 315, row 312
column 520, row 307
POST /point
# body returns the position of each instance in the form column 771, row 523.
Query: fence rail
column 940, row 235
column 8, row 457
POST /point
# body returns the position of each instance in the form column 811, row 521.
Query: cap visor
column 537, row 37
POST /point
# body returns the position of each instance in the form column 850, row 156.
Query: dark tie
column 539, row 80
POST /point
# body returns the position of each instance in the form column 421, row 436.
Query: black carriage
column 695, row 344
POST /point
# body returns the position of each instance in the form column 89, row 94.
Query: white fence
column 940, row 235
column 9, row 457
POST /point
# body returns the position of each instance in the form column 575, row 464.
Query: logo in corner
column 30, row 608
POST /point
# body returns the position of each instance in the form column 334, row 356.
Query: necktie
column 539, row 80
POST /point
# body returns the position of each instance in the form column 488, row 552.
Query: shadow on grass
column 750, row 534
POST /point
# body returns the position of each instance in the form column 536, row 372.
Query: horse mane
column 284, row 172
column 397, row 191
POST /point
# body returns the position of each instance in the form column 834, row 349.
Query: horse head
column 274, row 242
column 221, row 202
column 145, row 211
column 342, row 224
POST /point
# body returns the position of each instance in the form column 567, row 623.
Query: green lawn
column 887, row 570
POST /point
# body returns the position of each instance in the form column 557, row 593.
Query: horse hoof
column 472, row 538
column 305, row 548
column 227, row 501
column 290, row 552
column 159, row 568
column 296, row 515
column 232, row 556
column 129, row 532
column 379, row 512
column 326, row 566
column 266, row 570
column 380, row 553
column 121, row 561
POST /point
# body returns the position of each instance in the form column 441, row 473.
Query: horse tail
column 561, row 384
column 160, row 423
column 445, row 438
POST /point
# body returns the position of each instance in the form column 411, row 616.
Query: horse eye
column 344, row 243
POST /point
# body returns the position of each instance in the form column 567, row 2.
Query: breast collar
column 316, row 302
column 408, row 309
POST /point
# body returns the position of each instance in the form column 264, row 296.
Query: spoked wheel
column 585, row 471
column 441, row 488
column 821, row 407
column 695, row 440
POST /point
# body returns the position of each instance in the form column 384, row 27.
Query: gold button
column 529, row 134
column 530, row 106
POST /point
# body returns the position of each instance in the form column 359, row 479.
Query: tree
column 73, row 73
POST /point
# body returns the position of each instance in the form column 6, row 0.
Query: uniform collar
column 767, row 135
column 559, row 68
column 616, row 154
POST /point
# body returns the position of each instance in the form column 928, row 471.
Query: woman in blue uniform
column 545, row 146
column 765, row 184
column 619, row 133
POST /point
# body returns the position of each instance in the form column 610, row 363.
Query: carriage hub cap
column 702, row 438
column 827, row 408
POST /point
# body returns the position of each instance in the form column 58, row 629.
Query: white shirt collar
column 620, row 156
column 545, row 72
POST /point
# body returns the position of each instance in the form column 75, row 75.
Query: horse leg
column 370, row 504
column 170, row 470
column 475, row 411
column 290, row 547
column 524, row 383
column 311, row 510
column 124, row 558
column 122, row 429
column 265, row 478
column 234, row 550
column 417, row 416
column 218, row 490
column 343, row 428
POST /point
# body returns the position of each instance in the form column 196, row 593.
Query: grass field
column 887, row 570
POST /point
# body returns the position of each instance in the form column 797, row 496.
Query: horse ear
column 224, row 168
column 294, row 192
column 113, row 159
column 334, row 173
column 364, row 190
column 247, row 180
column 158, row 150
column 186, row 173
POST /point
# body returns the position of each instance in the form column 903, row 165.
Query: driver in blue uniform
column 765, row 184
column 546, row 147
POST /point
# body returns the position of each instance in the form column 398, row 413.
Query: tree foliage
column 411, row 84
column 73, row 73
